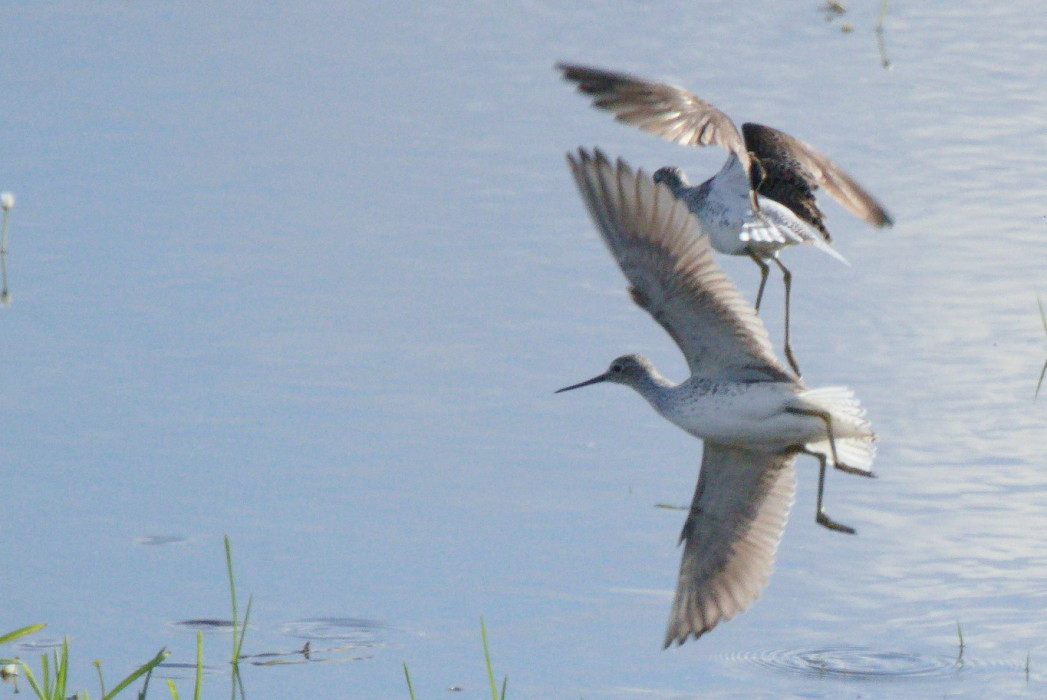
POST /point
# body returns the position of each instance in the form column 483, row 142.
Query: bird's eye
column 617, row 369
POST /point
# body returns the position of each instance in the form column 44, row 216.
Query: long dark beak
column 587, row 382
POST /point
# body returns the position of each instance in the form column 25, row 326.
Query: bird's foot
column 825, row 521
column 854, row 470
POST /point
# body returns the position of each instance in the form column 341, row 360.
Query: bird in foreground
column 762, row 199
column 752, row 413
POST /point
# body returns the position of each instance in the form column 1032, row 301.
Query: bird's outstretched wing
column 661, row 109
column 730, row 537
column 779, row 166
column 790, row 171
column 668, row 259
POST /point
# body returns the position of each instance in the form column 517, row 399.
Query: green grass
column 410, row 688
column 495, row 695
column 199, row 670
column 490, row 670
column 51, row 682
column 239, row 630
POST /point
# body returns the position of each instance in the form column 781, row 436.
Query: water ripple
column 351, row 631
column 859, row 662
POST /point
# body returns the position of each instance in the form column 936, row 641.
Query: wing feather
column 784, row 169
column 669, row 262
column 730, row 537
column 664, row 110
column 793, row 170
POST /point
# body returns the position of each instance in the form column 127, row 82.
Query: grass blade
column 147, row 667
column 407, row 675
column 62, row 668
column 11, row 636
column 238, row 635
column 487, row 660
column 32, row 680
column 199, row 664
column 232, row 583
column 45, row 673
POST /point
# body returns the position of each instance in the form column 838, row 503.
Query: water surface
column 308, row 276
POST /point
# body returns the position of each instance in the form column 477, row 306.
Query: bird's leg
column 820, row 516
column 764, row 270
column 787, row 279
column 827, row 419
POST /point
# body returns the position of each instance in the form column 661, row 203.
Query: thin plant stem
column 101, row 681
column 407, row 675
column 884, row 61
column 199, row 664
column 487, row 661
column 239, row 629
column 3, row 233
column 1043, row 319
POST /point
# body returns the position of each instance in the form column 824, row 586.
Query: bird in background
column 753, row 414
column 762, row 199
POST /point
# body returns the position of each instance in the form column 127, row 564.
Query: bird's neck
column 653, row 387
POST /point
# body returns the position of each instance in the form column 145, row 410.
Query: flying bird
column 753, row 414
column 762, row 199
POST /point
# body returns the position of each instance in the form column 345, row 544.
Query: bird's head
column 627, row 369
column 671, row 176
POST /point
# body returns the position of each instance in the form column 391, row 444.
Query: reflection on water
column 205, row 625
column 7, row 202
column 161, row 540
column 1043, row 370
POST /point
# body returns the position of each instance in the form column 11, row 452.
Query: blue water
column 308, row 276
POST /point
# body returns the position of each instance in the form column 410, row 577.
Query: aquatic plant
column 495, row 695
column 53, row 680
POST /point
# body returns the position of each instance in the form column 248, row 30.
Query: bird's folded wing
column 668, row 259
column 730, row 537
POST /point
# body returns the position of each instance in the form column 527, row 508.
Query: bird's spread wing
column 664, row 110
column 664, row 253
column 731, row 534
column 792, row 171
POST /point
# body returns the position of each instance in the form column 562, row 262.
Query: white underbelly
column 751, row 416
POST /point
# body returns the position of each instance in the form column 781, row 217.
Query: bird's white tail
column 854, row 434
column 786, row 227
column 828, row 250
